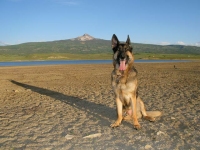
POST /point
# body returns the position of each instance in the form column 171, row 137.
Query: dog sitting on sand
column 124, row 83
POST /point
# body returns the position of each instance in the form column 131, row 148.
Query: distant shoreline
column 78, row 62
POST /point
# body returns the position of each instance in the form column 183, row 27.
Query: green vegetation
column 93, row 49
column 165, row 56
column 54, row 56
column 66, row 56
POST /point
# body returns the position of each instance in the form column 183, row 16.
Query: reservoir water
column 64, row 62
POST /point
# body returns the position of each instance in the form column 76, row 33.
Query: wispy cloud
column 15, row 0
column 61, row 2
column 197, row 44
column 67, row 2
column 3, row 43
column 180, row 43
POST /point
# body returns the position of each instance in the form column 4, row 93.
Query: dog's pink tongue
column 122, row 65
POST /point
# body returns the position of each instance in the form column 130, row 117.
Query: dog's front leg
column 119, row 114
column 134, row 112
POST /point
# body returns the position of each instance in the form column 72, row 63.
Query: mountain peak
column 84, row 37
column 86, row 34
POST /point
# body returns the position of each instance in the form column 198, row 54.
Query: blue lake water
column 63, row 62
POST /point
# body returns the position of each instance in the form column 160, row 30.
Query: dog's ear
column 128, row 41
column 115, row 42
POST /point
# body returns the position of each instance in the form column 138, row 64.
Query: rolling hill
column 87, row 44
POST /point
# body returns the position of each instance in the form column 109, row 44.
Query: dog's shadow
column 101, row 112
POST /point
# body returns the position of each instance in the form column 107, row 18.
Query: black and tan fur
column 124, row 83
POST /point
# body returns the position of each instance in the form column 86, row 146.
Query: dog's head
column 122, row 57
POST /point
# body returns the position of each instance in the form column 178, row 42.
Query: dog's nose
column 122, row 56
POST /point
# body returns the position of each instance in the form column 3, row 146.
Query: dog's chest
column 123, row 85
column 124, row 92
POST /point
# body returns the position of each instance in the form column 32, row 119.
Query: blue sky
column 146, row 21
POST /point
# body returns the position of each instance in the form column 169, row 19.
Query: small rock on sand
column 69, row 137
column 92, row 135
column 148, row 147
column 16, row 91
column 160, row 132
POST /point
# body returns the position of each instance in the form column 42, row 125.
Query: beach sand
column 72, row 107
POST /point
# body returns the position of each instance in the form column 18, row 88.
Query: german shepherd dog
column 124, row 83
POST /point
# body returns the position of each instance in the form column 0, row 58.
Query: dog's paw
column 113, row 125
column 137, row 126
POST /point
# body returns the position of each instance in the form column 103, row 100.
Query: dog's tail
column 149, row 115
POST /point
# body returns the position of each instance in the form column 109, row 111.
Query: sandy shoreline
column 43, row 106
